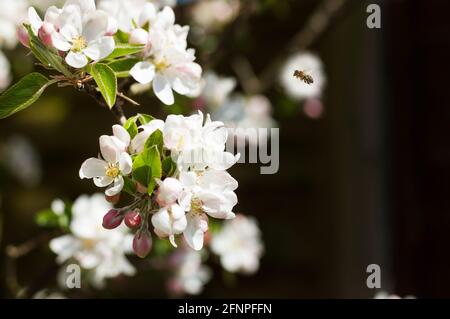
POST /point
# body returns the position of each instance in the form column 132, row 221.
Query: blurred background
column 364, row 172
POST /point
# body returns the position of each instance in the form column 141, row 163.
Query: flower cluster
column 176, row 171
column 142, row 32
column 168, row 63
column 78, row 29
column 95, row 249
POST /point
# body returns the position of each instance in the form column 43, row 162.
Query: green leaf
column 168, row 167
column 129, row 186
column 48, row 57
column 122, row 37
column 22, row 94
column 147, row 167
column 48, row 218
column 156, row 139
column 145, row 118
column 131, row 126
column 124, row 49
column 122, row 67
column 106, row 81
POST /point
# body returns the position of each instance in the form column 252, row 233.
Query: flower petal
column 93, row 167
column 163, row 90
column 35, row 20
column 195, row 231
column 100, row 49
column 125, row 163
column 143, row 72
column 103, row 181
column 122, row 134
column 109, row 149
column 116, row 188
column 60, row 42
column 76, row 60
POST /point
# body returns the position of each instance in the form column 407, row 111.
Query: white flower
column 5, row 72
column 46, row 28
column 83, row 33
column 195, row 145
column 93, row 247
column 168, row 191
column 138, row 142
column 312, row 65
column 214, row 14
column 217, row 89
column 190, row 274
column 207, row 193
column 169, row 65
column 170, row 69
column 126, row 12
column 239, row 245
column 169, row 221
column 13, row 13
column 115, row 164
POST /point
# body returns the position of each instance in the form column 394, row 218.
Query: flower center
column 161, row 65
column 112, row 171
column 79, row 43
column 196, row 206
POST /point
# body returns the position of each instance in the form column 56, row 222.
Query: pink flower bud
column 45, row 33
column 112, row 219
column 24, row 38
column 142, row 243
column 132, row 219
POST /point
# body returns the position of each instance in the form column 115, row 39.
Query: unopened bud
column 112, row 219
column 113, row 199
column 45, row 34
column 24, row 38
column 133, row 219
column 142, row 243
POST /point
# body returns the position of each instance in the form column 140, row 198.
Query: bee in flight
column 302, row 75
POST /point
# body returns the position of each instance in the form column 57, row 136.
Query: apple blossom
column 190, row 274
column 208, row 193
column 195, row 145
column 169, row 221
column 169, row 65
column 94, row 248
column 168, row 192
column 115, row 164
column 84, row 33
column 44, row 29
column 239, row 245
column 13, row 13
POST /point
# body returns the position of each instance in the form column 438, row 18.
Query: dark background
column 369, row 182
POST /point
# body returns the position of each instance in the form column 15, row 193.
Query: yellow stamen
column 78, row 44
column 161, row 65
column 112, row 171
